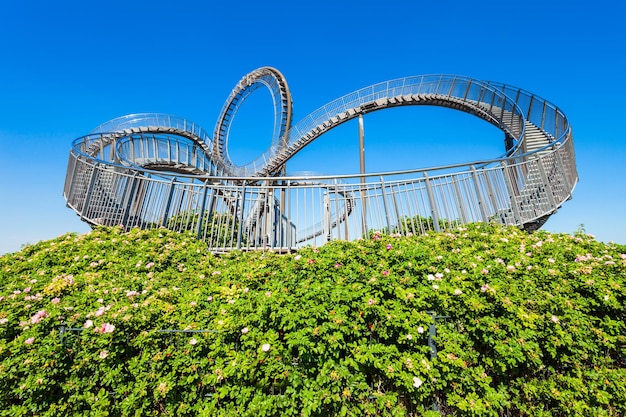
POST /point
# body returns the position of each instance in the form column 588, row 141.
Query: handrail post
column 168, row 203
column 240, row 225
column 481, row 205
column 512, row 194
column 384, row 197
column 546, row 182
column 431, row 202
column 202, row 207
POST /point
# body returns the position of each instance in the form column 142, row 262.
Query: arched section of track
column 460, row 93
column 274, row 81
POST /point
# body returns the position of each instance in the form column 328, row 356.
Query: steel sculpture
column 156, row 170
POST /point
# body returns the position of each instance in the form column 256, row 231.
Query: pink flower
column 99, row 312
column 38, row 316
column 484, row 288
column 417, row 382
column 420, row 330
column 386, row 272
column 244, row 330
column 88, row 324
column 193, row 304
column 55, row 300
column 131, row 293
column 371, row 302
column 105, row 328
column 388, row 246
column 623, row 256
column 27, row 289
column 337, row 265
column 458, row 292
column 103, row 354
column 268, row 293
column 484, row 271
column 554, row 319
column 4, row 320
column 265, row 347
column 310, row 261
column 193, row 341
column 149, row 265
column 210, row 298
column 409, row 336
column 29, row 341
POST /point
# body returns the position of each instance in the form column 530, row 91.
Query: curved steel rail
column 157, row 170
column 281, row 97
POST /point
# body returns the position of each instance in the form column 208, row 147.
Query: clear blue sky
column 68, row 66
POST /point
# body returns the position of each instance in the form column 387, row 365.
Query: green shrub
column 146, row 323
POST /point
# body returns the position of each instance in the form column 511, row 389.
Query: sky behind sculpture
column 70, row 66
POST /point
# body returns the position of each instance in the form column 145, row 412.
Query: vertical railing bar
column 479, row 194
column 384, row 198
column 431, row 200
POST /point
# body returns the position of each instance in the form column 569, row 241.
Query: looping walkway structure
column 156, row 170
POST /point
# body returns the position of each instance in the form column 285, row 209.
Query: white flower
column 193, row 341
column 88, row 324
column 244, row 330
column 420, row 330
column 265, row 347
column 417, row 382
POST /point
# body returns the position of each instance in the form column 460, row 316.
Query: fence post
column 432, row 333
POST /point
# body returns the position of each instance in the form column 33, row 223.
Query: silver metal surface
column 154, row 170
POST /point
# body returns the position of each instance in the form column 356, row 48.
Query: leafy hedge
column 146, row 323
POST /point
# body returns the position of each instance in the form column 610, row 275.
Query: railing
column 144, row 179
column 474, row 92
column 154, row 119
column 313, row 210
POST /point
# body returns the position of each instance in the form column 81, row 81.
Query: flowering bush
column 148, row 323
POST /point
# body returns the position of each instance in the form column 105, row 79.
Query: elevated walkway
column 154, row 170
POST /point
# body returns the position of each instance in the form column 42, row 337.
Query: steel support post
column 362, row 171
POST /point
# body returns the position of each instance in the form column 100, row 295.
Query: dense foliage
column 149, row 323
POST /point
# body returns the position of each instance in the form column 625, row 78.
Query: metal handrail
column 119, row 185
column 425, row 84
